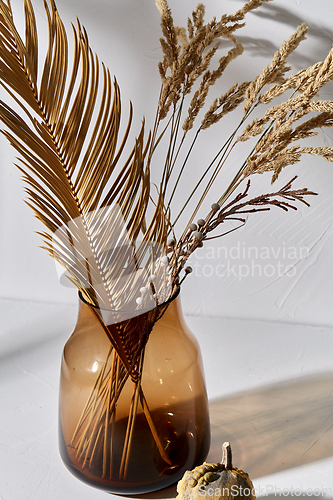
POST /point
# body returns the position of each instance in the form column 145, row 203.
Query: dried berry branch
column 196, row 234
column 267, row 200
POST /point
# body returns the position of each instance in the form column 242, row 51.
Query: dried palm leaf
column 92, row 224
column 67, row 134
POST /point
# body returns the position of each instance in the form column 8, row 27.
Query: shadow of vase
column 276, row 427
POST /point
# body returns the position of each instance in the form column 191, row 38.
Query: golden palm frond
column 94, row 210
column 92, row 224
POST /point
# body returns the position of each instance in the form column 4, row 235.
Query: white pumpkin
column 216, row 481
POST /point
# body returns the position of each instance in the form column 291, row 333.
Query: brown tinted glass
column 170, row 437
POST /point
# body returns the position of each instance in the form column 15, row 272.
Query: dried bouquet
column 117, row 236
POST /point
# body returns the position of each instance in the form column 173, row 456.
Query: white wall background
column 280, row 279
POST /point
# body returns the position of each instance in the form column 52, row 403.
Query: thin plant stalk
column 107, row 415
column 223, row 151
column 174, row 141
column 127, row 446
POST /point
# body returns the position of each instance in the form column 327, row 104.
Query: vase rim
column 140, row 311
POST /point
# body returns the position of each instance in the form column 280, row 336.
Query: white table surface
column 270, row 387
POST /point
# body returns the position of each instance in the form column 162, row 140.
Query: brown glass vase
column 154, row 427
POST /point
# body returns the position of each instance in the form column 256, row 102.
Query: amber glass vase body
column 174, row 389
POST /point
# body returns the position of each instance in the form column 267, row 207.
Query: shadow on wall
column 272, row 429
column 137, row 25
column 282, row 16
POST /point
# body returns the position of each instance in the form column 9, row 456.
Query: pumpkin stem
column 227, row 456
